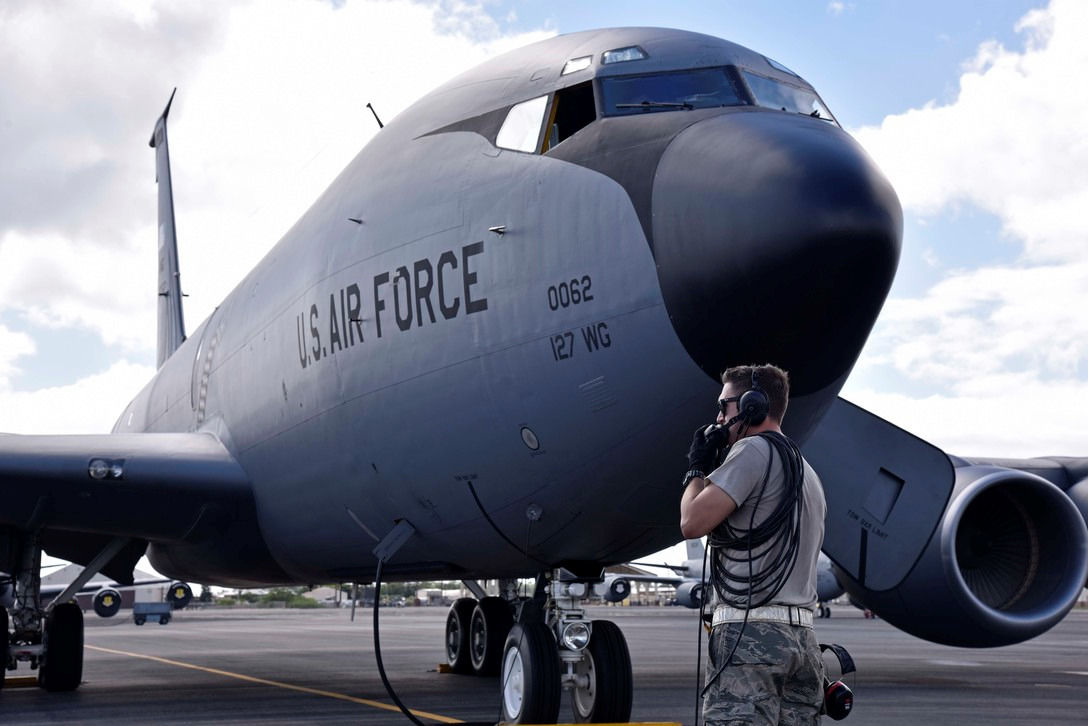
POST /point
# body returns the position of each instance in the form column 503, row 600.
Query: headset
column 838, row 699
column 754, row 404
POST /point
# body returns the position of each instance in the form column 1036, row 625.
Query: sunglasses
column 723, row 403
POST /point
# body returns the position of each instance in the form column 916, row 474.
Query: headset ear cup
column 754, row 406
column 838, row 700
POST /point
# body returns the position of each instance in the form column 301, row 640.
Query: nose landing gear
column 552, row 648
column 603, row 690
column 530, row 679
column 555, row 648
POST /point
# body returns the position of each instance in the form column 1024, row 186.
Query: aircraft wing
column 659, row 579
column 84, row 490
column 51, row 591
column 965, row 552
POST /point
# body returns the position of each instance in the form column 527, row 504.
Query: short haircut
column 774, row 381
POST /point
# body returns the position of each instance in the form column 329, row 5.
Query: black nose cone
column 777, row 240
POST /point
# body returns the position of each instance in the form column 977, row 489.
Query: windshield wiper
column 655, row 104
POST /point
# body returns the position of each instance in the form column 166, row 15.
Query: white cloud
column 992, row 321
column 13, row 345
column 1024, row 419
column 999, row 344
column 90, row 405
column 1012, row 142
column 57, row 282
column 271, row 105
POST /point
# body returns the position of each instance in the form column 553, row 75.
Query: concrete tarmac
column 307, row 666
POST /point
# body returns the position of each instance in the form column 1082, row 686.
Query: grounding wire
column 378, row 648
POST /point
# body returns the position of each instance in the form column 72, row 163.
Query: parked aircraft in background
column 690, row 582
column 483, row 350
column 107, row 598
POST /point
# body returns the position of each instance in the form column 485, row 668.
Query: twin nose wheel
column 482, row 639
column 533, row 677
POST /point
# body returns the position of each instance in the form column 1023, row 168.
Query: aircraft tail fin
column 171, row 319
column 695, row 549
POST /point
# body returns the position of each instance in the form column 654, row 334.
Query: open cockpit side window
column 572, row 110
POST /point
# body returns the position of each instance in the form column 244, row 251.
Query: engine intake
column 618, row 590
column 179, row 595
column 690, row 594
column 1006, row 564
column 107, row 602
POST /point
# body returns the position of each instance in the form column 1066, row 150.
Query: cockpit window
column 770, row 93
column 521, row 129
column 775, row 64
column 572, row 111
column 699, row 88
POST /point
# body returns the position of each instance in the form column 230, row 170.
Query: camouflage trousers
column 775, row 677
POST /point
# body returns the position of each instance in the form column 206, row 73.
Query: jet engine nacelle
column 179, row 595
column 618, row 590
column 1006, row 563
column 690, row 594
column 107, row 602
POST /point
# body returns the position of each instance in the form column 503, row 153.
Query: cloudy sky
column 974, row 110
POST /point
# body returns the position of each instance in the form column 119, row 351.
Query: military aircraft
column 106, row 597
column 481, row 354
column 690, row 580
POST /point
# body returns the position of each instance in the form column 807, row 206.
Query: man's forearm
column 703, row 507
column 687, row 507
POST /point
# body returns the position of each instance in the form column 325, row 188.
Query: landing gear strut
column 50, row 638
column 551, row 648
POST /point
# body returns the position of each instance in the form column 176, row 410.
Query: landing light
column 622, row 55
column 100, row 469
column 575, row 635
column 577, row 64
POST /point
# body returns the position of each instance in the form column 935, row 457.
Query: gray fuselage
column 391, row 358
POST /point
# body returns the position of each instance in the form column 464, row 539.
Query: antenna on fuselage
column 380, row 124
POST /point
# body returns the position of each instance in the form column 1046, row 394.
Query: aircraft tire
column 490, row 624
column 607, row 663
column 4, row 643
column 529, row 680
column 458, row 629
column 62, row 669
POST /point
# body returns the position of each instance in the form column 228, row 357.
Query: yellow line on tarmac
column 278, row 684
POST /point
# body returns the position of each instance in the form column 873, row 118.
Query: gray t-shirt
column 740, row 476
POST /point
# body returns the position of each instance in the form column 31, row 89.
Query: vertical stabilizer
column 171, row 321
column 695, row 549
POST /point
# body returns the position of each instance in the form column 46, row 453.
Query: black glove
column 703, row 454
